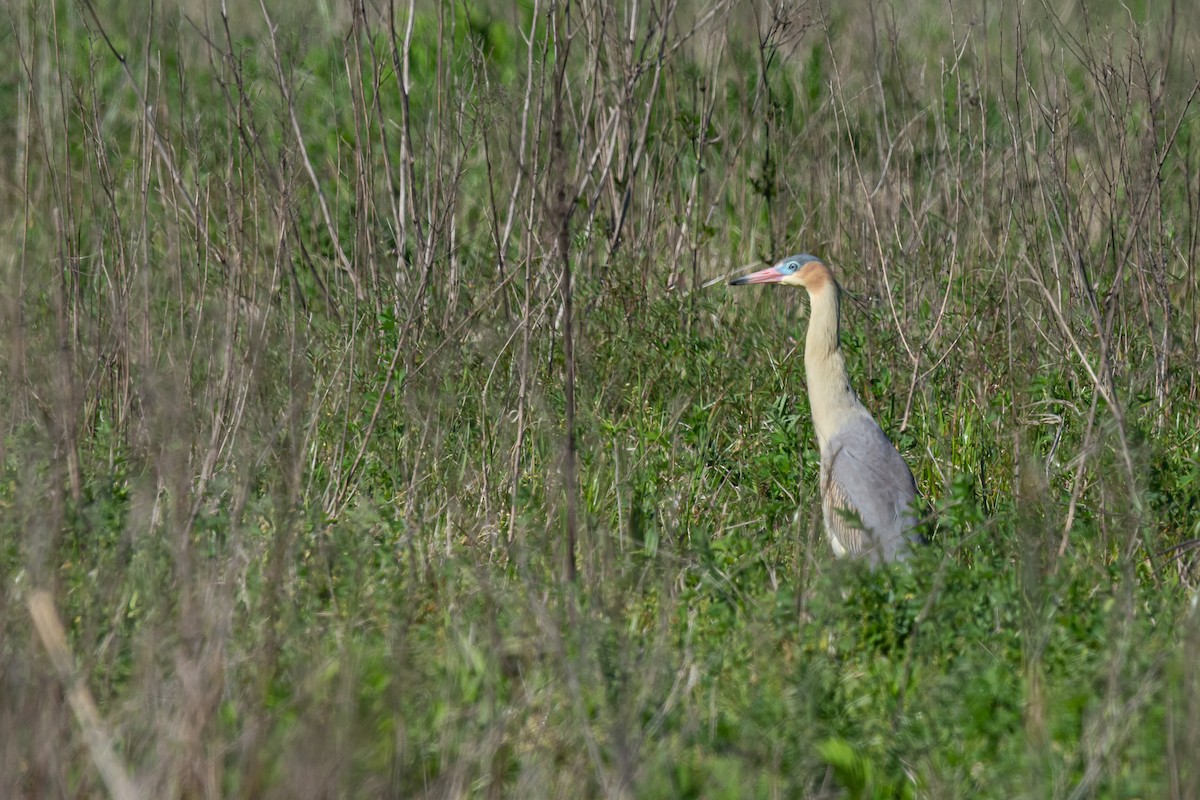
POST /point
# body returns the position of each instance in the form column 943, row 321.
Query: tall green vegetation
column 376, row 421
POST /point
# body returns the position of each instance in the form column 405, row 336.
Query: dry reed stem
column 99, row 740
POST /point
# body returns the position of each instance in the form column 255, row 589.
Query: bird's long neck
column 832, row 400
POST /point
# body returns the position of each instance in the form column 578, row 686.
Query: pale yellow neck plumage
column 832, row 400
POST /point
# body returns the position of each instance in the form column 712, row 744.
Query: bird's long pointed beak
column 768, row 275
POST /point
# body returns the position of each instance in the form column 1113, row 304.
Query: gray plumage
column 867, row 490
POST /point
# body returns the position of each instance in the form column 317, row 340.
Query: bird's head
column 802, row 270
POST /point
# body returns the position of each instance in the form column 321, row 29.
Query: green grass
column 285, row 410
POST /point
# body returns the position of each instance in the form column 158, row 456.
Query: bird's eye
column 791, row 266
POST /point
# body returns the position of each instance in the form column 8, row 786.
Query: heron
column 867, row 490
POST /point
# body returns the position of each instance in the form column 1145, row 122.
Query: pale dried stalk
column 99, row 740
column 342, row 259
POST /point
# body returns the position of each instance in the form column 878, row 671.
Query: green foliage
column 302, row 512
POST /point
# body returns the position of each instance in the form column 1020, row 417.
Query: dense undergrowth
column 325, row 334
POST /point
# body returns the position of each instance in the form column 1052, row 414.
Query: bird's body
column 867, row 490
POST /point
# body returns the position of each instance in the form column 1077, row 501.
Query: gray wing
column 867, row 491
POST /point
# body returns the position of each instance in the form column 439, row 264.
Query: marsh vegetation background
column 377, row 423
